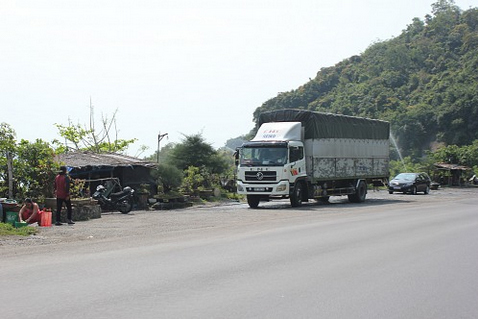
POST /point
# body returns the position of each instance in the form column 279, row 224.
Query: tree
column 32, row 166
column 35, row 169
column 201, row 164
column 89, row 138
column 452, row 154
column 169, row 176
column 7, row 138
column 234, row 143
column 164, row 154
column 194, row 151
column 194, row 180
column 7, row 150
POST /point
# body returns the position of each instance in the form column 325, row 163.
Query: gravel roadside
column 113, row 225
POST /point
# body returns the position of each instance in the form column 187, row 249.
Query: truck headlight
column 240, row 188
column 281, row 187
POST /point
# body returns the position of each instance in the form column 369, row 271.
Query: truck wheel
column 296, row 196
column 360, row 193
column 253, row 201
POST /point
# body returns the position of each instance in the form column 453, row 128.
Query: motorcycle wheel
column 103, row 206
column 125, row 206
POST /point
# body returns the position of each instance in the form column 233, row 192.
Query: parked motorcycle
column 122, row 201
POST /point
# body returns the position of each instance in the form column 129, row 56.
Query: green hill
column 425, row 82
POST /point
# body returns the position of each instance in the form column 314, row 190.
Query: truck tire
column 296, row 196
column 253, row 201
column 360, row 193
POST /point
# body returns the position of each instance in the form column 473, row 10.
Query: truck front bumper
column 280, row 189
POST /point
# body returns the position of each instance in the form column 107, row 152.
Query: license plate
column 397, row 187
column 260, row 189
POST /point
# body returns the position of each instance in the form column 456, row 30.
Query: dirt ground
column 229, row 216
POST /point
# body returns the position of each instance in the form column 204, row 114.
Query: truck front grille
column 261, row 176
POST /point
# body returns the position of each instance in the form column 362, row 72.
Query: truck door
column 296, row 158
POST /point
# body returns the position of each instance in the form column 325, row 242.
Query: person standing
column 62, row 193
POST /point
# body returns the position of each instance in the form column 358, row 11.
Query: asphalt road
column 394, row 256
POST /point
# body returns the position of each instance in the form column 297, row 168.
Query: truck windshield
column 263, row 156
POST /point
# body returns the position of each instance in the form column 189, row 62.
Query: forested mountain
column 424, row 81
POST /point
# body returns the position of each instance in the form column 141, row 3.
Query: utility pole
column 160, row 137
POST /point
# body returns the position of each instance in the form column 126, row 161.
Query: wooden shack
column 451, row 174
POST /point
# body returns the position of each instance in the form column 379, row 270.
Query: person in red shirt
column 29, row 212
column 62, row 193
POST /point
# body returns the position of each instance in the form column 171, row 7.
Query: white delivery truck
column 301, row 155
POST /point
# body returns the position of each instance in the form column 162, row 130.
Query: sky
column 175, row 67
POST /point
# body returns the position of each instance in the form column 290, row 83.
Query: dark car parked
column 410, row 183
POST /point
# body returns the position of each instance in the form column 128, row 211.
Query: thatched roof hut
column 84, row 159
column 95, row 168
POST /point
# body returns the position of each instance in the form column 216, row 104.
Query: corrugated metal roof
column 83, row 159
column 452, row 166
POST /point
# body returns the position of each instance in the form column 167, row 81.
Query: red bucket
column 45, row 219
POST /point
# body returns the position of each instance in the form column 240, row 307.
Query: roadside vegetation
column 9, row 230
column 466, row 155
column 192, row 167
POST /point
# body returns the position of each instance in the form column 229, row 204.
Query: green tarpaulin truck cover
column 328, row 125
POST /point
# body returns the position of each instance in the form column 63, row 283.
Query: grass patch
column 9, row 230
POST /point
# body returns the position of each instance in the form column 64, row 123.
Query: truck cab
column 270, row 165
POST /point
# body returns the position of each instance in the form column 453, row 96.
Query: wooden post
column 10, row 174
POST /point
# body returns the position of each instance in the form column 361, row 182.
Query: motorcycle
column 122, row 201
